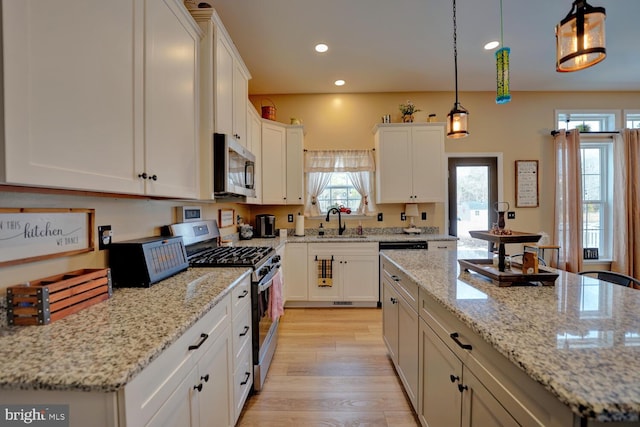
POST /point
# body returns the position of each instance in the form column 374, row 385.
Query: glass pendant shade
column 502, row 68
column 580, row 40
column 457, row 122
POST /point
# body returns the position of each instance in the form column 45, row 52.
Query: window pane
column 592, row 225
column 633, row 120
column 591, row 188
column 591, row 160
column 339, row 192
column 591, row 122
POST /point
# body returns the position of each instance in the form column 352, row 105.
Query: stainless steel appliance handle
column 267, row 280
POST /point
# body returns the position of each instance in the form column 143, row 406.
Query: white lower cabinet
column 242, row 356
column 354, row 272
column 190, row 381
column 295, row 272
column 451, row 394
column 400, row 327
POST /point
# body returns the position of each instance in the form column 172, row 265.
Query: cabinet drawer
column 241, row 295
column 405, row 287
column 442, row 245
column 242, row 379
column 241, row 333
column 146, row 393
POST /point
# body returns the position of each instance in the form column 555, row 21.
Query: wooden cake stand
column 498, row 275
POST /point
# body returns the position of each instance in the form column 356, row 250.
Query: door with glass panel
column 473, row 192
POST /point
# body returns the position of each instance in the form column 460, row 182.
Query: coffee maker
column 265, row 225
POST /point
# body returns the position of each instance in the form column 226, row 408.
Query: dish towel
column 276, row 305
column 325, row 273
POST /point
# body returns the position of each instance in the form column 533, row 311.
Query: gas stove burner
column 231, row 256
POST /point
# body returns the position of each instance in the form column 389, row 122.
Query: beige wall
column 519, row 129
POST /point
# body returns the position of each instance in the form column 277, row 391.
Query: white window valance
column 339, row 161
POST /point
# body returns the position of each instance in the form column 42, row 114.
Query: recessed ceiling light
column 321, row 48
column 491, row 45
column 339, row 83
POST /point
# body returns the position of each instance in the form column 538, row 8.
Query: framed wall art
column 226, row 217
column 34, row 234
column 527, row 184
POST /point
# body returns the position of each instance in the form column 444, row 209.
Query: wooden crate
column 46, row 300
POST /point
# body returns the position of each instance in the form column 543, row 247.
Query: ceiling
column 407, row 45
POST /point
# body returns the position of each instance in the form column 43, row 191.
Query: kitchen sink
column 343, row 237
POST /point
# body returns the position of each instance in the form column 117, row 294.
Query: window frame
column 602, row 138
column 605, row 145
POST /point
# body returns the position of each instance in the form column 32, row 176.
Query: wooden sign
column 28, row 235
column 226, row 217
column 526, row 183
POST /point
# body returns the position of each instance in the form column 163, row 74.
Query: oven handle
column 267, row 280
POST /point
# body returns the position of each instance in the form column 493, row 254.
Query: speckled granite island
column 89, row 358
column 578, row 342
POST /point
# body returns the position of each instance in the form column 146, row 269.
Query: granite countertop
column 580, row 339
column 331, row 237
column 104, row 346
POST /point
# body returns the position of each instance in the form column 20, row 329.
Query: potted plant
column 407, row 111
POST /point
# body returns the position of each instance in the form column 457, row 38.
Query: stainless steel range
column 201, row 243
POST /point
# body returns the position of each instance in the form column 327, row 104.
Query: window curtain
column 568, row 200
column 316, row 183
column 626, row 194
column 318, row 166
column 362, row 183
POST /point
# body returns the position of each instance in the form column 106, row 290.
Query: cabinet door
column 440, row 375
column 215, row 375
column 427, row 160
column 295, row 160
column 480, row 408
column 181, row 408
column 323, row 293
column 390, row 307
column 274, row 164
column 223, row 98
column 240, row 100
column 295, row 272
column 359, row 277
column 254, row 144
column 171, row 110
column 73, row 95
column 408, row 334
column 394, row 163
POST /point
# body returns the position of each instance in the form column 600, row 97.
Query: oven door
column 265, row 328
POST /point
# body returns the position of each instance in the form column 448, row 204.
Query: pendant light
column 580, row 38
column 457, row 117
column 502, row 68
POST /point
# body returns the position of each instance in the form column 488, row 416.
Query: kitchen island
column 578, row 342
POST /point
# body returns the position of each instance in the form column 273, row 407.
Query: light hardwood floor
column 330, row 369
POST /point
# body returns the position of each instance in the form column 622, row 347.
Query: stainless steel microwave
column 233, row 168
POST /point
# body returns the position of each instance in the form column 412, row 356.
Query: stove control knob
column 264, row 271
column 276, row 258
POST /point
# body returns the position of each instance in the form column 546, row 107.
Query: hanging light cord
column 501, row 28
column 455, row 51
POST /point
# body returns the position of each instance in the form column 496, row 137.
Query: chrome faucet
column 341, row 227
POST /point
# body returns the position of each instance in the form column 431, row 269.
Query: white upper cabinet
column 72, row 92
column 410, row 163
column 79, row 84
column 223, row 95
column 254, row 144
column 171, row 100
column 274, row 160
column 282, row 160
